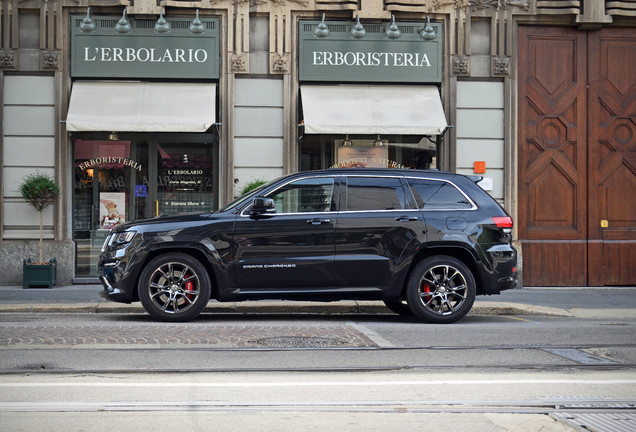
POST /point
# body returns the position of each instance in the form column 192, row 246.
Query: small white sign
column 486, row 183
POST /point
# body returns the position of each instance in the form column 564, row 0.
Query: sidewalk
column 605, row 302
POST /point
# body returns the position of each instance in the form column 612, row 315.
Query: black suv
column 424, row 242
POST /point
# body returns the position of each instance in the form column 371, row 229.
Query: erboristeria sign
column 346, row 51
column 142, row 52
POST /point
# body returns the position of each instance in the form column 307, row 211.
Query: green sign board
column 348, row 51
column 109, row 48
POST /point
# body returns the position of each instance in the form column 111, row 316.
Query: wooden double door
column 577, row 156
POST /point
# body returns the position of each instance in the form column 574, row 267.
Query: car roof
column 382, row 171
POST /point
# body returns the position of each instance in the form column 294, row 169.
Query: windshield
column 247, row 197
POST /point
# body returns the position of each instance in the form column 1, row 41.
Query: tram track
column 210, row 347
column 44, row 369
column 415, row 406
column 242, row 396
column 59, row 359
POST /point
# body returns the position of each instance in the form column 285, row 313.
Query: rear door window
column 375, row 193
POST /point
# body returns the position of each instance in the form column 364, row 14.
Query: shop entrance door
column 185, row 176
column 577, row 159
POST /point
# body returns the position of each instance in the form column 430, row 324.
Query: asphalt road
column 290, row 371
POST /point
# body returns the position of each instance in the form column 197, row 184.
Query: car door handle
column 318, row 221
column 406, row 218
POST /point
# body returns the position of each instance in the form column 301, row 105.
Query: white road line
column 323, row 383
column 376, row 338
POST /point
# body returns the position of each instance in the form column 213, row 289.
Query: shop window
column 386, row 151
column 121, row 180
column 103, row 173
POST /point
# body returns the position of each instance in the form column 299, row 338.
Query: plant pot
column 39, row 275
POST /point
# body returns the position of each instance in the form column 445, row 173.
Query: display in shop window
column 141, row 191
column 362, row 157
column 112, row 209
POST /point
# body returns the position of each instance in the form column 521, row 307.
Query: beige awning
column 125, row 106
column 372, row 109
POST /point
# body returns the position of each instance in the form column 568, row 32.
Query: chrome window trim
column 242, row 214
column 472, row 203
column 380, row 211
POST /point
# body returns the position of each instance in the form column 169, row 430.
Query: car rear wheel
column 174, row 287
column 441, row 290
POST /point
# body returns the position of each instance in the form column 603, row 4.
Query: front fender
column 213, row 255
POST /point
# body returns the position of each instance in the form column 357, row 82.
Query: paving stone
column 216, row 335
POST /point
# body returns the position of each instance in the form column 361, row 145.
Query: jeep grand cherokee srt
column 424, row 242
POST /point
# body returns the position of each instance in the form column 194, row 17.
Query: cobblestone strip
column 237, row 336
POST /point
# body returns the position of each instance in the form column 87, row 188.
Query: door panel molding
column 552, row 168
column 612, row 157
column 577, row 156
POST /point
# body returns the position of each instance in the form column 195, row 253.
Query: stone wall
column 13, row 253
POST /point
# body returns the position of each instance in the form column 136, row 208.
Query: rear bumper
column 503, row 276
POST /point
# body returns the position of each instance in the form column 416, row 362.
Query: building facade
column 146, row 107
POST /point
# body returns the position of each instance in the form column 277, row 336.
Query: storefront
column 370, row 94
column 127, row 109
column 143, row 121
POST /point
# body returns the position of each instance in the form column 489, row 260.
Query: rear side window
column 375, row 193
column 438, row 195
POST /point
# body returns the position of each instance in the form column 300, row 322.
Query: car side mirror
column 262, row 205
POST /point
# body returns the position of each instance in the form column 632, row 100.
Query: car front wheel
column 174, row 287
column 441, row 290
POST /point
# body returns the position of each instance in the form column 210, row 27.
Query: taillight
column 503, row 221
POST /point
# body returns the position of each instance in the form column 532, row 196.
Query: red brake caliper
column 189, row 286
column 426, row 290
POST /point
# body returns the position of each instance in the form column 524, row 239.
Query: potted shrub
column 40, row 191
column 253, row 184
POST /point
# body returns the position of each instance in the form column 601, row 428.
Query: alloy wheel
column 443, row 289
column 174, row 287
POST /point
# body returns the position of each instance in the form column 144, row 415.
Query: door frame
column 590, row 254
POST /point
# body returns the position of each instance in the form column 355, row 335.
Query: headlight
column 121, row 238
column 105, row 243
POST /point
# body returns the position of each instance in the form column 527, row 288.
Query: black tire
column 174, row 287
column 399, row 307
column 440, row 290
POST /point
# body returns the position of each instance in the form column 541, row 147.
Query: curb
column 267, row 307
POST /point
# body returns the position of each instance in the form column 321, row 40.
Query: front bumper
column 114, row 289
column 113, row 294
column 117, row 270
